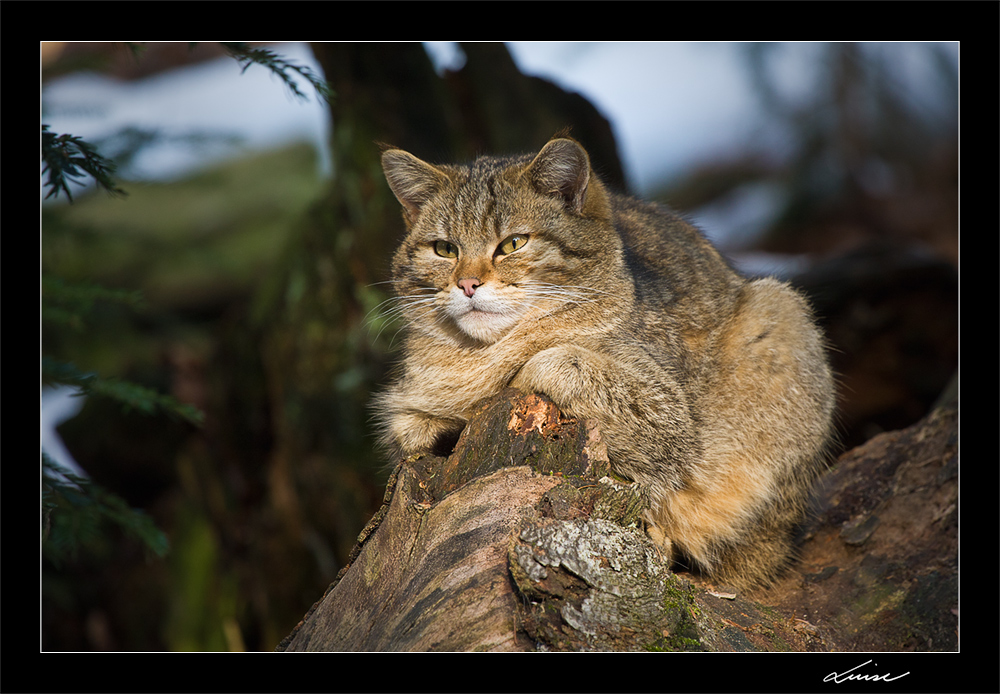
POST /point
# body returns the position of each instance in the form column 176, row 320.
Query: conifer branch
column 68, row 157
column 74, row 509
column 131, row 395
column 247, row 56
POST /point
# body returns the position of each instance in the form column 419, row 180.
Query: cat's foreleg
column 642, row 412
column 413, row 432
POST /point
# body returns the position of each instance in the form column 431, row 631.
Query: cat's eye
column 446, row 249
column 512, row 244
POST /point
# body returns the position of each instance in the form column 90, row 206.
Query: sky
column 671, row 104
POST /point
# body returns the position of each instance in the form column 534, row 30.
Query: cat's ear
column 412, row 180
column 562, row 168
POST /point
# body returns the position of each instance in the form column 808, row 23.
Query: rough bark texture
column 521, row 540
column 879, row 567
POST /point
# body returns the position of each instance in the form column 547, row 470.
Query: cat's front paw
column 568, row 374
column 663, row 544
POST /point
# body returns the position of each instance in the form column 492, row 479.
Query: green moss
column 683, row 612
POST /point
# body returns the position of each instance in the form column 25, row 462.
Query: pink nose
column 469, row 285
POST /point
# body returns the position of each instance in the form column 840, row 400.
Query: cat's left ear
column 562, row 168
column 412, row 180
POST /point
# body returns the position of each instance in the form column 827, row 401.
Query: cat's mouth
column 484, row 323
column 479, row 306
column 481, row 313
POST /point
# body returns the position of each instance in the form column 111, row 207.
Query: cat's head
column 500, row 241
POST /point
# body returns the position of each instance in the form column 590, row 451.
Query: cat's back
column 674, row 268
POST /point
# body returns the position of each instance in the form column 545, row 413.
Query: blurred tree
column 77, row 513
column 89, row 529
column 858, row 154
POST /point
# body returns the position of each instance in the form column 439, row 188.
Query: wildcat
column 711, row 389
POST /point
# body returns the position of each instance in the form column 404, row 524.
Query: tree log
column 522, row 539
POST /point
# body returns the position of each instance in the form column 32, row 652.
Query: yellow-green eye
column 512, row 244
column 446, row 249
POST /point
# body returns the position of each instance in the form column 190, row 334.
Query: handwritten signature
column 847, row 675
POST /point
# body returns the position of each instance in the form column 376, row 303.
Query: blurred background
column 211, row 333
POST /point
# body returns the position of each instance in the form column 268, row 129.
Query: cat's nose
column 469, row 285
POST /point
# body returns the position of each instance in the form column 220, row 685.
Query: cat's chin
column 485, row 326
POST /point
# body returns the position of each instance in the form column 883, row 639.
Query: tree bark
column 521, row 539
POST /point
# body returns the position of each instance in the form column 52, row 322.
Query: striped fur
column 711, row 389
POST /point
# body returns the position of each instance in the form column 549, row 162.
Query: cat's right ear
column 412, row 180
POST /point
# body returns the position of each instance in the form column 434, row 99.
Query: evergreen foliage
column 80, row 518
column 76, row 513
column 69, row 303
column 247, row 56
column 132, row 396
column 68, row 157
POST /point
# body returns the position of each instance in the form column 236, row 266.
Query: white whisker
column 389, row 311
